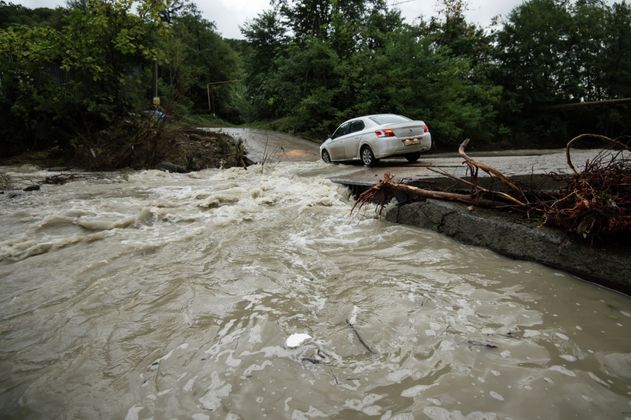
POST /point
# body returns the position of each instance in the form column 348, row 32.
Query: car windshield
column 389, row 119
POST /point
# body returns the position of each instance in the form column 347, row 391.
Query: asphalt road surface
column 271, row 146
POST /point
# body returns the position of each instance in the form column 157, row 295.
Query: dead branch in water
column 478, row 187
column 359, row 337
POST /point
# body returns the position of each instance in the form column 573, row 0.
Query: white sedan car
column 373, row 137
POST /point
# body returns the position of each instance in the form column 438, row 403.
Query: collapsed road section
column 575, row 221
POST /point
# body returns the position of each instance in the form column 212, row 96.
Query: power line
column 401, row 2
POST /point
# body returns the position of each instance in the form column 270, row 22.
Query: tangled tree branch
column 596, row 203
column 472, row 164
column 384, row 191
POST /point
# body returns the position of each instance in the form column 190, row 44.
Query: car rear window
column 389, row 119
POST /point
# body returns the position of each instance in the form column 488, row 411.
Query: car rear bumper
column 394, row 146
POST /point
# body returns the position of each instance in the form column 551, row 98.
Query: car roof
column 381, row 115
column 372, row 115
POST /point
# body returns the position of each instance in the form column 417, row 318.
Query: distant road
column 266, row 145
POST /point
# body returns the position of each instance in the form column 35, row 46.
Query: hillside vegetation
column 73, row 76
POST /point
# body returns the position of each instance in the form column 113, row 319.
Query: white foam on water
column 133, row 412
column 366, row 405
column 217, row 391
column 188, row 387
column 562, row 336
column 496, row 396
column 415, row 391
column 352, row 319
column 597, row 379
column 562, row 370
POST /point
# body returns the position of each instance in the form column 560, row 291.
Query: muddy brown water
column 155, row 295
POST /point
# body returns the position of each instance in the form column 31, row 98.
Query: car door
column 353, row 139
column 336, row 147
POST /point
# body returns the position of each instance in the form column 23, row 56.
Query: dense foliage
column 68, row 74
column 317, row 62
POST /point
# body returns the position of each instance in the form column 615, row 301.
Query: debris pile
column 594, row 203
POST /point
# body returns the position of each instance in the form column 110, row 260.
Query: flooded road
column 156, row 295
column 266, row 146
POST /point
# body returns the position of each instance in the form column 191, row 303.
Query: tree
column 616, row 60
column 430, row 83
column 197, row 55
column 588, row 32
column 80, row 78
column 306, row 18
column 267, row 38
column 533, row 49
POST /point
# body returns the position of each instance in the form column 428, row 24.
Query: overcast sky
column 228, row 15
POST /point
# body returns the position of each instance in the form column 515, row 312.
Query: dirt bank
column 176, row 150
column 151, row 147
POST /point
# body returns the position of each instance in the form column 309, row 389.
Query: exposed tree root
column 596, row 203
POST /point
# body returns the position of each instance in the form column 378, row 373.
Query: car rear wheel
column 368, row 158
column 326, row 158
column 413, row 157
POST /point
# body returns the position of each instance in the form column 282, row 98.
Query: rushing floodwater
column 172, row 296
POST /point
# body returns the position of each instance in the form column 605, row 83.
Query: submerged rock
column 171, row 167
column 34, row 187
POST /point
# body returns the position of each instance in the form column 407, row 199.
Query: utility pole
column 156, row 98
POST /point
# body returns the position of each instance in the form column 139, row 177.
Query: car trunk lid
column 407, row 128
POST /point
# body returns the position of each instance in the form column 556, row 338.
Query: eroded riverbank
column 166, row 295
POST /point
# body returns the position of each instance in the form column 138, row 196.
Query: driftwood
column 596, row 203
column 474, row 166
column 383, row 192
column 359, row 337
column 568, row 146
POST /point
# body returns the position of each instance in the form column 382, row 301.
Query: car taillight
column 425, row 128
column 385, row 133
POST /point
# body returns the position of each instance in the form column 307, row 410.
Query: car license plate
column 409, row 142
